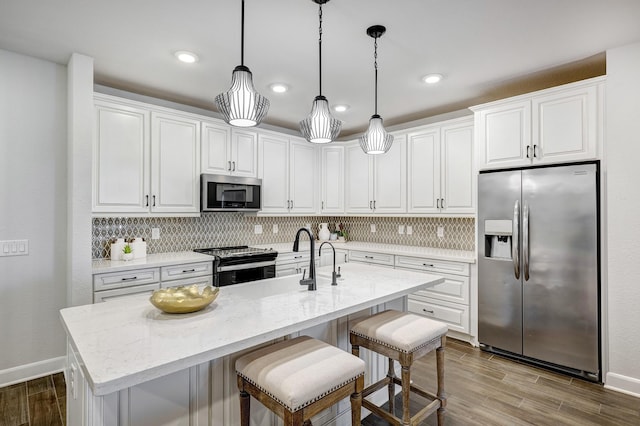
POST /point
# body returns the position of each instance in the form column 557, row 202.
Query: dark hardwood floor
column 482, row 389
column 487, row 389
column 38, row 402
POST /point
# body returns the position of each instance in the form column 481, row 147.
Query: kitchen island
column 131, row 364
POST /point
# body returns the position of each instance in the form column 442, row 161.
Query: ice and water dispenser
column 498, row 238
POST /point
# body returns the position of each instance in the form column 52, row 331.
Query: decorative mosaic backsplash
column 229, row 229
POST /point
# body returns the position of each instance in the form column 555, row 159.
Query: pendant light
column 320, row 126
column 242, row 106
column 376, row 140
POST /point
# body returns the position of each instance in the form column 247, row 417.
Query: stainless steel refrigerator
column 539, row 266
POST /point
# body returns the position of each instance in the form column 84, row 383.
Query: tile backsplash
column 228, row 229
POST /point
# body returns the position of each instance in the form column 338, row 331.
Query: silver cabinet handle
column 146, row 204
column 154, row 201
column 428, row 265
column 368, row 257
column 229, row 168
column 427, row 311
column 437, row 203
column 535, row 151
column 188, row 270
column 129, row 279
column 525, row 240
column 442, row 203
column 291, row 203
column 374, row 204
column 528, row 148
column 371, row 205
column 322, row 205
column 515, row 239
column 234, row 166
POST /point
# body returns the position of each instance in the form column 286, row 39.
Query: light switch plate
column 373, row 227
column 155, row 233
column 440, row 231
column 400, row 229
column 409, row 229
column 257, row 229
column 14, row 248
column 274, row 229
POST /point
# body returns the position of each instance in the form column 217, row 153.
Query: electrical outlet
column 274, row 228
column 373, row 227
column 409, row 229
column 440, row 231
column 155, row 233
column 257, row 229
column 400, row 229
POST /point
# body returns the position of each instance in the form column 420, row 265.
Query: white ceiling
column 479, row 46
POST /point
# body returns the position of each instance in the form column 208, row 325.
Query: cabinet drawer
column 368, row 257
column 455, row 288
column 186, row 270
column 292, row 268
column 293, row 257
column 454, row 315
column 103, row 296
column 430, row 265
column 201, row 281
column 113, row 280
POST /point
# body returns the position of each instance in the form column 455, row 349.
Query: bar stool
column 402, row 337
column 298, row 378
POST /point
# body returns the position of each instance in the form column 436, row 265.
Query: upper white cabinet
column 332, row 180
column 229, row 151
column 441, row 168
column 561, row 124
column 288, row 169
column 376, row 183
column 144, row 161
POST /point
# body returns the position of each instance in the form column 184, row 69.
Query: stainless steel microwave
column 220, row 193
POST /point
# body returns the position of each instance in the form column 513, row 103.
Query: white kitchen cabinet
column 175, row 164
column 332, row 180
column 374, row 258
column 326, row 257
column 146, row 159
column 229, row 151
column 561, row 124
column 441, row 176
column 294, row 263
column 288, row 169
column 376, row 183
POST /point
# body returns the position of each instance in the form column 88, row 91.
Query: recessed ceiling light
column 186, row 57
column 279, row 87
column 432, row 78
column 341, row 108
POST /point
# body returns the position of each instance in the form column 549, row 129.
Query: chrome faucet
column 334, row 276
column 311, row 281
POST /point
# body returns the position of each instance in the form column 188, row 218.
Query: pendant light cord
column 375, row 66
column 320, row 48
column 242, row 36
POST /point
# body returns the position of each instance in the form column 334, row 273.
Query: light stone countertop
column 125, row 342
column 99, row 266
column 395, row 249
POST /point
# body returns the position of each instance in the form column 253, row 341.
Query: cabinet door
column 390, row 178
column 273, row 169
column 458, row 176
column 175, row 164
column 565, row 126
column 424, row 171
column 216, row 148
column 332, row 180
column 120, row 159
column 244, row 153
column 303, row 181
column 358, row 180
column 504, row 135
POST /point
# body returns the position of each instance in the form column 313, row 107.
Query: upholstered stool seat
column 402, row 337
column 298, row 378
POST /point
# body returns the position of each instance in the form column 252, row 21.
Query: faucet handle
column 338, row 274
column 304, row 272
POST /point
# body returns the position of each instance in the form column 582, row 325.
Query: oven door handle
column 250, row 265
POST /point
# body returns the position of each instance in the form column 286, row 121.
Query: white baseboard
column 624, row 384
column 34, row 370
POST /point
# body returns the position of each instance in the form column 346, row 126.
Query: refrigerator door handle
column 525, row 239
column 515, row 239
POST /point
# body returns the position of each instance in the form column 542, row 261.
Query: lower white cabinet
column 381, row 259
column 455, row 315
column 294, row 263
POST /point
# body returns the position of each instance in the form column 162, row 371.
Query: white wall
column 33, row 149
column 623, row 195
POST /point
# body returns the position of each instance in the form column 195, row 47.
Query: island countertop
column 125, row 342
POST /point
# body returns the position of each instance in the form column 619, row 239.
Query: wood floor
column 38, row 402
column 482, row 389
column 487, row 389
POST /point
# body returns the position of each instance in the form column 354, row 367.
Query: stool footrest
column 417, row 389
column 391, row 418
column 375, row 387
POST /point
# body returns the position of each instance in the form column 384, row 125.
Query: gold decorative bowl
column 183, row 299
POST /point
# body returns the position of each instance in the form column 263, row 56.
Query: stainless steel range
column 239, row 264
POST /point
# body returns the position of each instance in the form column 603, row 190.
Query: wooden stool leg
column 391, row 374
column 440, row 372
column 406, row 389
column 245, row 402
column 356, row 402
